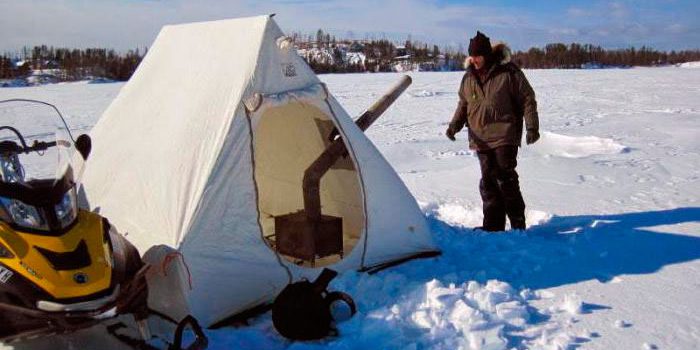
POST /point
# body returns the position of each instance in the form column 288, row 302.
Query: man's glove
column 450, row 133
column 532, row 136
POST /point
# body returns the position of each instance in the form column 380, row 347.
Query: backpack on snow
column 302, row 311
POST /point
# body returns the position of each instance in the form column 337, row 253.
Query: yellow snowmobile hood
column 75, row 264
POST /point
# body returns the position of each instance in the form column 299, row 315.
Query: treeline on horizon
column 381, row 55
column 581, row 56
column 71, row 64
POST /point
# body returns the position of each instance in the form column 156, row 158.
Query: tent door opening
column 287, row 139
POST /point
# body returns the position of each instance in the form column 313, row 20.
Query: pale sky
column 125, row 24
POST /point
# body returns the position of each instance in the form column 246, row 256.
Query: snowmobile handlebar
column 83, row 144
column 22, row 147
column 14, row 148
column 39, row 146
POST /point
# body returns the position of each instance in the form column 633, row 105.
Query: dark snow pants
column 500, row 189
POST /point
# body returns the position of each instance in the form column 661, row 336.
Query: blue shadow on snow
column 571, row 249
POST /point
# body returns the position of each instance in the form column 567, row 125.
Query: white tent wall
column 175, row 112
column 232, row 268
column 279, row 68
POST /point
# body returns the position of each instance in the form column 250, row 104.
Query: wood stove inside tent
column 287, row 140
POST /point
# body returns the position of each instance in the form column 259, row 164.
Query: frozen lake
column 610, row 260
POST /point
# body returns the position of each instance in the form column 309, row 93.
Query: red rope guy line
column 172, row 256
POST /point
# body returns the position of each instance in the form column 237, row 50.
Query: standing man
column 494, row 99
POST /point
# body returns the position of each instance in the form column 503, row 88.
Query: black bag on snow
column 302, row 311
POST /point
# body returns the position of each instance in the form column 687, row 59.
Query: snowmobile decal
column 5, row 275
column 30, row 270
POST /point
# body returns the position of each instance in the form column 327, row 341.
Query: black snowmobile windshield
column 40, row 167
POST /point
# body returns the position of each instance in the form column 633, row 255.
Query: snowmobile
column 62, row 268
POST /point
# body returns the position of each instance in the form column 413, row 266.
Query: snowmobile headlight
column 24, row 215
column 67, row 208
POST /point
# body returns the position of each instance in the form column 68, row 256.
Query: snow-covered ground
column 690, row 64
column 610, row 260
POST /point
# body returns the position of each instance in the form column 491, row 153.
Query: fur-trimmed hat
column 480, row 45
column 500, row 54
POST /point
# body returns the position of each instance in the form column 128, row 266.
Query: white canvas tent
column 208, row 142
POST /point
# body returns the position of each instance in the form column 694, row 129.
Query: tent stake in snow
column 307, row 234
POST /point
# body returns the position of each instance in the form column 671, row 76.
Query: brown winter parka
column 494, row 110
